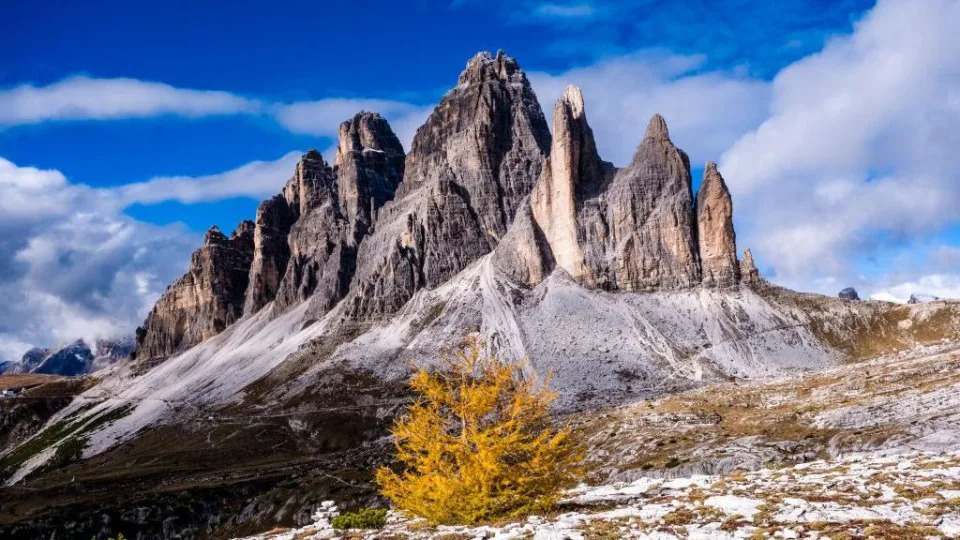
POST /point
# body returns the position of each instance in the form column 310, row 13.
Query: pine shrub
column 368, row 518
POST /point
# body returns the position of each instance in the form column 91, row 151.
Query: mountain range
column 264, row 379
column 77, row 358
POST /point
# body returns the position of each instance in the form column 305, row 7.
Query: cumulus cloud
column 860, row 149
column 74, row 266
column 705, row 111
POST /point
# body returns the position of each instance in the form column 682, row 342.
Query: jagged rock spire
column 271, row 251
column 718, row 241
column 572, row 169
column 202, row 303
column 369, row 167
column 651, row 216
column 469, row 169
column 657, row 129
column 748, row 269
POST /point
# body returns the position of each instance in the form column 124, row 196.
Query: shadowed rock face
column 208, row 298
column 718, row 241
column 307, row 237
column 469, row 169
column 271, row 252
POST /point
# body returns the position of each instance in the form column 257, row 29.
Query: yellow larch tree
column 479, row 443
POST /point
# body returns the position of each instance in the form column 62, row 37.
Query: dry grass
column 26, row 380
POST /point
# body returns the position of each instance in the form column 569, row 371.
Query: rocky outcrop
column 270, row 253
column 316, row 240
column 849, row 294
column 470, row 167
column 208, row 298
column 651, row 217
column 573, row 173
column 748, row 269
column 369, row 167
column 482, row 175
column 302, row 246
column 628, row 229
column 717, row 239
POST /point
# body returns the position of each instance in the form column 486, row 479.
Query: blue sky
column 305, row 51
column 127, row 129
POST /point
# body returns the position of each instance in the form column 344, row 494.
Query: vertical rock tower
column 469, row 169
column 718, row 241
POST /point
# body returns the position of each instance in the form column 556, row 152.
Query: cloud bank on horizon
column 842, row 165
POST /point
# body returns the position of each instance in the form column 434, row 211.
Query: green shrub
column 368, row 518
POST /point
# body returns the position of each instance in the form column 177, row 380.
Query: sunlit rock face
column 717, row 239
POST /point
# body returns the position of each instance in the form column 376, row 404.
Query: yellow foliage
column 479, row 444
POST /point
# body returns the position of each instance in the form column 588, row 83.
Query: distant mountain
column 74, row 359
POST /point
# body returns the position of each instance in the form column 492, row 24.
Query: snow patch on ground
column 881, row 496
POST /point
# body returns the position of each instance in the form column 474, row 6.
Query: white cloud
column 939, row 285
column 72, row 265
column 564, row 11
column 85, row 98
column 706, row 112
column 257, row 180
column 860, row 148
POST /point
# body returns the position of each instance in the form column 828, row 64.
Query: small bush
column 368, row 518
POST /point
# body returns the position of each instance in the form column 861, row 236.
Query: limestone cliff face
column 271, row 251
column 208, row 298
column 470, row 167
column 718, row 241
column 650, row 213
column 369, row 167
column 301, row 247
column 572, row 172
column 483, row 175
column 629, row 229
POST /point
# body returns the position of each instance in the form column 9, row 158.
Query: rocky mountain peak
column 483, row 174
column 717, row 239
column 469, row 169
column 202, row 303
column 485, row 66
column 572, row 170
column 657, row 129
column 369, row 167
column 312, row 183
column 214, row 236
column 652, row 216
column 748, row 269
column 244, row 230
